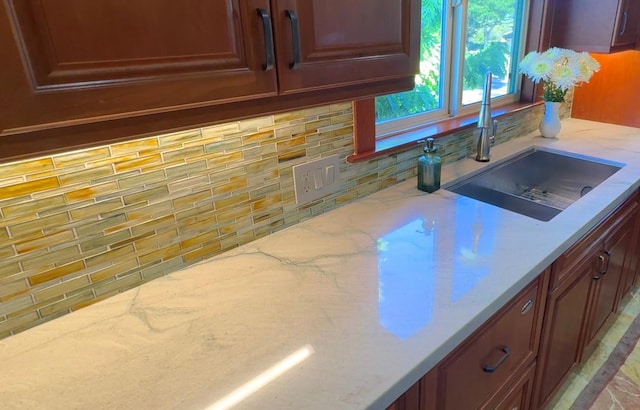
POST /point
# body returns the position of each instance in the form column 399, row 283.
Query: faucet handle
column 494, row 131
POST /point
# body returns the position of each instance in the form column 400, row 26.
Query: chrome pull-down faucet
column 487, row 127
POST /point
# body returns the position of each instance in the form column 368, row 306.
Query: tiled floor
column 623, row 392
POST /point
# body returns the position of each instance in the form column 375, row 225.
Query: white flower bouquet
column 559, row 69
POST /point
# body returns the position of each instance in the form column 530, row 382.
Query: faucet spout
column 487, row 127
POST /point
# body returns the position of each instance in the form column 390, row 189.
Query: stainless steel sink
column 539, row 182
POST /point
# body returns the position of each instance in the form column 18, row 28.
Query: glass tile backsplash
column 81, row 226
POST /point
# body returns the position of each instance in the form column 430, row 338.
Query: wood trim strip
column 366, row 146
column 364, row 126
column 538, row 39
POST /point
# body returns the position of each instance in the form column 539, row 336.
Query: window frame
column 367, row 146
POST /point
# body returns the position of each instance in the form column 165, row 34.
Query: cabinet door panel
column 106, row 40
column 344, row 42
column 80, row 59
column 595, row 25
column 617, row 245
column 604, row 295
column 561, row 338
column 627, row 22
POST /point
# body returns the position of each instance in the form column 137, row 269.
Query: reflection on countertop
column 406, row 278
column 407, row 256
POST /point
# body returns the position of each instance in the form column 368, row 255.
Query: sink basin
column 539, row 182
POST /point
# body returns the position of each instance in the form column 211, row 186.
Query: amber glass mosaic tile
column 13, row 289
column 111, row 256
column 26, row 167
column 10, row 326
column 136, row 146
column 80, row 157
column 34, row 263
column 66, row 303
column 32, row 207
column 62, row 288
column 179, row 138
column 26, row 188
column 138, row 163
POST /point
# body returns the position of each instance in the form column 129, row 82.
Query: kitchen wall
column 81, row 226
column 612, row 93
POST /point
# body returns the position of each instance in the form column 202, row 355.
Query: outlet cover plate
column 316, row 179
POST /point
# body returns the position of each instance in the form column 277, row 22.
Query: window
column 461, row 40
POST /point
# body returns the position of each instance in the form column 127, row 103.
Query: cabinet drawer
column 477, row 370
column 567, row 263
column 588, row 245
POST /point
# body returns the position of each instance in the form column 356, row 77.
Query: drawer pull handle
column 604, row 262
column 526, row 307
column 268, row 39
column 295, row 37
column 491, row 369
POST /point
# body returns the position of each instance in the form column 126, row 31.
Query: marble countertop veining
column 343, row 311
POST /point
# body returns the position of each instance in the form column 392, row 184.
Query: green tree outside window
column 489, row 26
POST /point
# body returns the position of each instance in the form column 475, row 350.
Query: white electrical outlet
column 316, row 179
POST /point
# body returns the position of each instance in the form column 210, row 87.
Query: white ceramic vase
column 550, row 124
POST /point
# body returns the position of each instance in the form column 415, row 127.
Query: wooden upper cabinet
column 595, row 25
column 335, row 42
column 155, row 65
column 627, row 25
column 78, row 59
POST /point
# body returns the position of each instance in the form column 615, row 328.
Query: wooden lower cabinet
column 520, row 357
column 587, row 283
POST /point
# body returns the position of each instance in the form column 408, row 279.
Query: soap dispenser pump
column 429, row 166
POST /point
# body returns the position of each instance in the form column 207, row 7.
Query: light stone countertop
column 344, row 311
